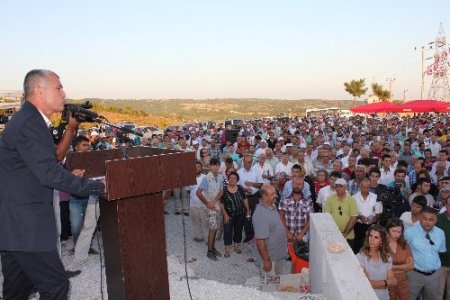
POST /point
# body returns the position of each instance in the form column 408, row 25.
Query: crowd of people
column 384, row 181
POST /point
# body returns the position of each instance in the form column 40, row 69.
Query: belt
column 425, row 273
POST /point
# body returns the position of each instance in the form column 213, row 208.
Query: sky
column 219, row 49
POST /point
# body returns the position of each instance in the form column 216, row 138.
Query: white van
column 233, row 122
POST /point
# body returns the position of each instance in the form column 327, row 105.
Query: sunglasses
column 340, row 210
column 427, row 236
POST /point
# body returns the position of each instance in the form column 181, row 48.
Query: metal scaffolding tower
column 439, row 88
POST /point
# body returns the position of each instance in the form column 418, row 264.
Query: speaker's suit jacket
column 29, row 172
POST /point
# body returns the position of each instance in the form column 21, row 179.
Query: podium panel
column 133, row 217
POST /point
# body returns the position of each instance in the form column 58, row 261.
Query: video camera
column 81, row 112
column 391, row 198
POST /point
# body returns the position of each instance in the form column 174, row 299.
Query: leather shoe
column 211, row 255
column 70, row 274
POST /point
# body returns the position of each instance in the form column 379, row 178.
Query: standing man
column 369, row 211
column 84, row 214
column 441, row 166
column 296, row 171
column 271, row 159
column 270, row 251
column 29, row 172
column 342, row 208
column 443, row 222
column 386, row 172
column 284, row 165
column 251, row 180
column 353, row 184
column 209, row 192
column 423, row 189
column 264, row 168
column 181, row 194
column 198, row 210
column 426, row 242
column 294, row 212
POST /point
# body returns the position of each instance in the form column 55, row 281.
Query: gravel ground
column 210, row 280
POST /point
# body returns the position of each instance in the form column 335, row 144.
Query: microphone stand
column 121, row 128
column 122, row 144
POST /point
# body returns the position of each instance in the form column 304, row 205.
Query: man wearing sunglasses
column 343, row 209
column 426, row 242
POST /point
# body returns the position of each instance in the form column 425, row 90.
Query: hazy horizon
column 285, row 50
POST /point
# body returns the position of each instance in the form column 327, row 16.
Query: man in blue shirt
column 296, row 172
column 426, row 242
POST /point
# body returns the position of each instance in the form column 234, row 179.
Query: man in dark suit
column 29, row 172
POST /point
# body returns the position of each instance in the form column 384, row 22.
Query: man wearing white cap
column 195, row 146
column 343, row 209
column 262, row 148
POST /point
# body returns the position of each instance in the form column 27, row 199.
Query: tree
column 382, row 94
column 356, row 88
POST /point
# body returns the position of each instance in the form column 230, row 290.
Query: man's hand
column 78, row 172
column 267, row 265
column 211, row 205
column 299, row 236
column 289, row 236
column 72, row 122
column 226, row 219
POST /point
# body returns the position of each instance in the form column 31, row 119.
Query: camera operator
column 71, row 117
column 400, row 192
column 70, row 132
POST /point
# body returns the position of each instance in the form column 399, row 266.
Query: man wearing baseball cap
column 343, row 209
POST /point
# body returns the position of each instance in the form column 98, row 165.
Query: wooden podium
column 132, row 218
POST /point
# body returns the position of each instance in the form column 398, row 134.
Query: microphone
column 83, row 114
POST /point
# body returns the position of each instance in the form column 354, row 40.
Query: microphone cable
column 100, row 251
column 185, row 252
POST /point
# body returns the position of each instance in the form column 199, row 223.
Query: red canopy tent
column 376, row 107
column 445, row 107
column 425, row 106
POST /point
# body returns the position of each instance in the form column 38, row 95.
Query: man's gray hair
column 35, row 78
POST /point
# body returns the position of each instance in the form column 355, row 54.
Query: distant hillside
column 178, row 111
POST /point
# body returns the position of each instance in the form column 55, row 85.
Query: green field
column 187, row 110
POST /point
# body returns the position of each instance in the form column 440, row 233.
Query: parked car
column 129, row 126
column 233, row 122
column 144, row 129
